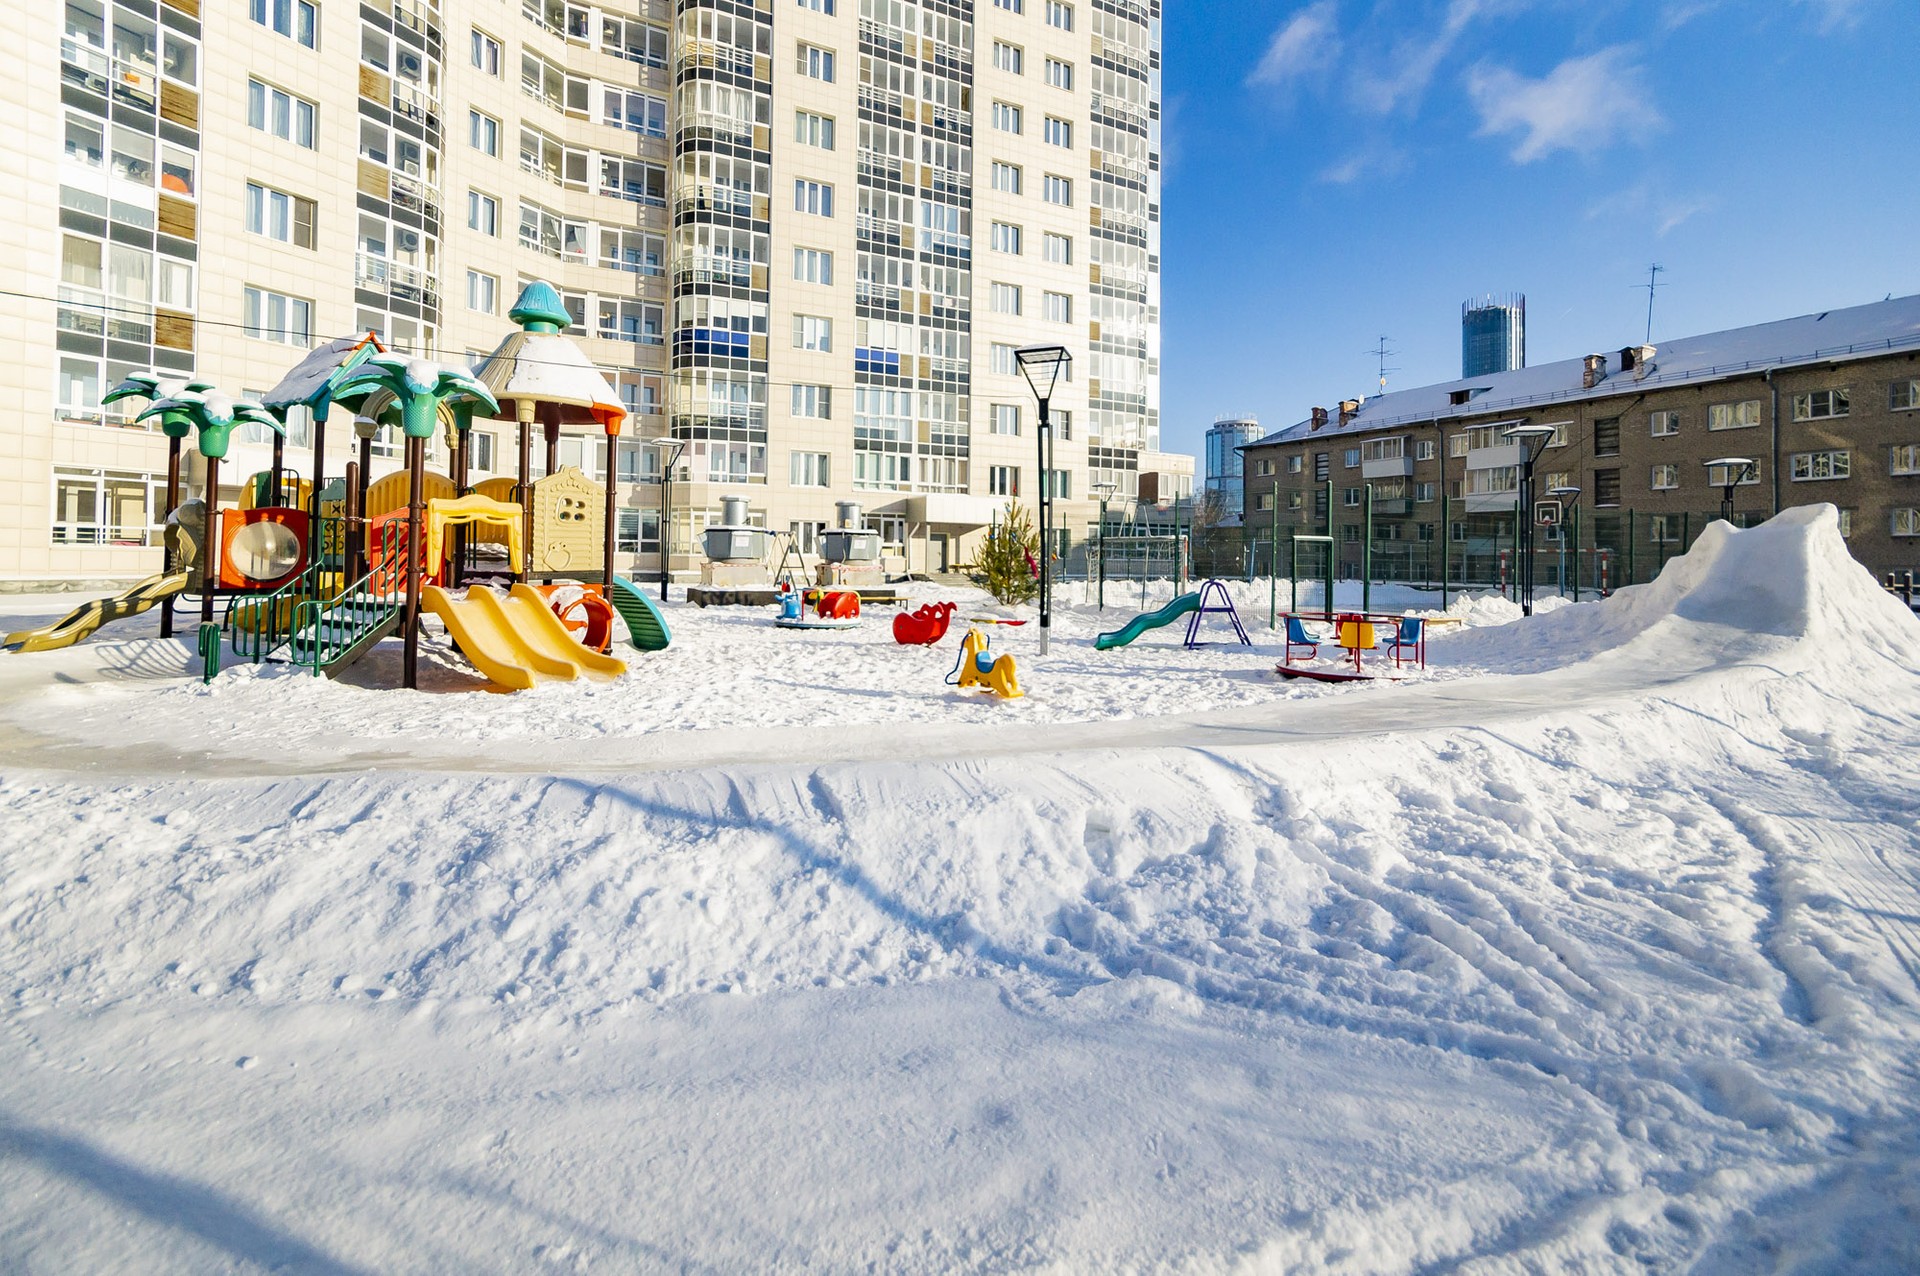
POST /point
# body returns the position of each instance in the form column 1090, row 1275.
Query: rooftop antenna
column 1381, row 353
column 1653, row 273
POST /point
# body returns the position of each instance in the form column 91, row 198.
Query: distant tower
column 1224, row 462
column 1493, row 335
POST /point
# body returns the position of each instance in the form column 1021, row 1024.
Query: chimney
column 1349, row 409
column 1642, row 361
column 1319, row 418
column 1594, row 371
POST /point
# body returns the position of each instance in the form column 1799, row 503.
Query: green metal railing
column 258, row 627
column 328, row 630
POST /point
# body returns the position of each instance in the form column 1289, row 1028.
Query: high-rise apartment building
column 1493, row 335
column 802, row 237
column 1225, row 477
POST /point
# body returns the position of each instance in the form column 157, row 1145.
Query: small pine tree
column 1006, row 562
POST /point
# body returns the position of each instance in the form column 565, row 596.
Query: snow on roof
column 1851, row 333
column 549, row 367
column 302, row 385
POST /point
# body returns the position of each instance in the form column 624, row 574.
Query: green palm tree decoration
column 212, row 415
column 176, row 425
column 418, row 387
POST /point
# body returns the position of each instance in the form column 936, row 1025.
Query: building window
column 1296, row 463
column 1903, row 396
column 280, row 113
column 1006, row 238
column 1846, row 523
column 278, row 215
column 1820, row 405
column 1004, row 418
column 106, row 507
column 295, row 19
column 1606, row 487
column 1606, row 436
column 1721, row 475
column 1006, row 177
column 1906, row 522
column 272, row 316
column 486, row 53
column 1004, row 299
column 810, row 129
column 1056, row 307
column 813, row 403
column 1664, row 529
column 1813, row 467
column 1295, row 500
column 1011, row 6
column 482, row 290
column 1733, row 416
column 1057, row 190
column 812, row 266
column 1003, row 480
column 808, row 469
column 1350, row 497
column 818, row 6
column 483, row 213
column 1006, row 117
column 815, row 63
column 813, row 197
column 812, row 332
column 1059, row 15
column 1001, row 360
column 1059, row 132
column 1903, row 458
column 1264, row 501
column 1665, row 478
column 1351, row 458
column 1424, row 492
column 1056, row 248
column 483, row 133
column 1423, row 449
column 1061, row 419
column 1009, row 57
column 1664, row 424
column 1059, row 74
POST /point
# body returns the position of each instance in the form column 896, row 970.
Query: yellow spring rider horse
column 977, row 668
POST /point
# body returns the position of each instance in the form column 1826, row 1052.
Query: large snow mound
column 1788, row 587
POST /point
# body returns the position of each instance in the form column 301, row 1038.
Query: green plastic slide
column 1148, row 620
column 645, row 625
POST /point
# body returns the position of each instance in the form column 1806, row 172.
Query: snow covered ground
column 1595, row 947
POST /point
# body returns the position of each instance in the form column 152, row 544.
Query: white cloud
column 1595, row 100
column 1836, row 14
column 1371, row 161
column 1306, row 45
column 1650, row 202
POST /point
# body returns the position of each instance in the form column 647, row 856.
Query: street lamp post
column 1042, row 365
column 1738, row 469
column 1533, row 441
column 1104, row 491
column 671, row 450
column 1570, row 497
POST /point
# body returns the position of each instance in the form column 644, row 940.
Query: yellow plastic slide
column 84, row 619
column 516, row 641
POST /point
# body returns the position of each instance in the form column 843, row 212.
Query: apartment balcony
column 413, row 194
column 1387, row 467
column 1496, row 458
column 1393, row 507
column 1489, row 502
column 396, row 279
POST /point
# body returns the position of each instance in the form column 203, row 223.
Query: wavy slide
column 83, row 620
column 516, row 641
column 645, row 625
column 1148, row 620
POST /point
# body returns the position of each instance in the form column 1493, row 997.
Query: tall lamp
column 1738, row 470
column 1042, row 365
column 1533, row 441
column 671, row 450
column 1569, row 497
column 1105, row 492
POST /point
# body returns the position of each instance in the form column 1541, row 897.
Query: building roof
column 1831, row 335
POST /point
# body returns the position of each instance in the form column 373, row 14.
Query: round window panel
column 264, row 551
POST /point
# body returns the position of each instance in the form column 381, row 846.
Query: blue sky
column 1345, row 169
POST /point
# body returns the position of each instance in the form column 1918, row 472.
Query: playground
column 1589, row 945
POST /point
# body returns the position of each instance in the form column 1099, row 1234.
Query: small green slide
column 1146, row 620
column 645, row 625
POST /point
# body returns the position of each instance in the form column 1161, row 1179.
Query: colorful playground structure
column 924, row 626
column 317, row 572
column 833, row 608
column 1210, row 599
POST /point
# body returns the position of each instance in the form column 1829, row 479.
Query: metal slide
column 83, row 620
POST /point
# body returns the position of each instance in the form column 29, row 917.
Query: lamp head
column 1041, row 366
